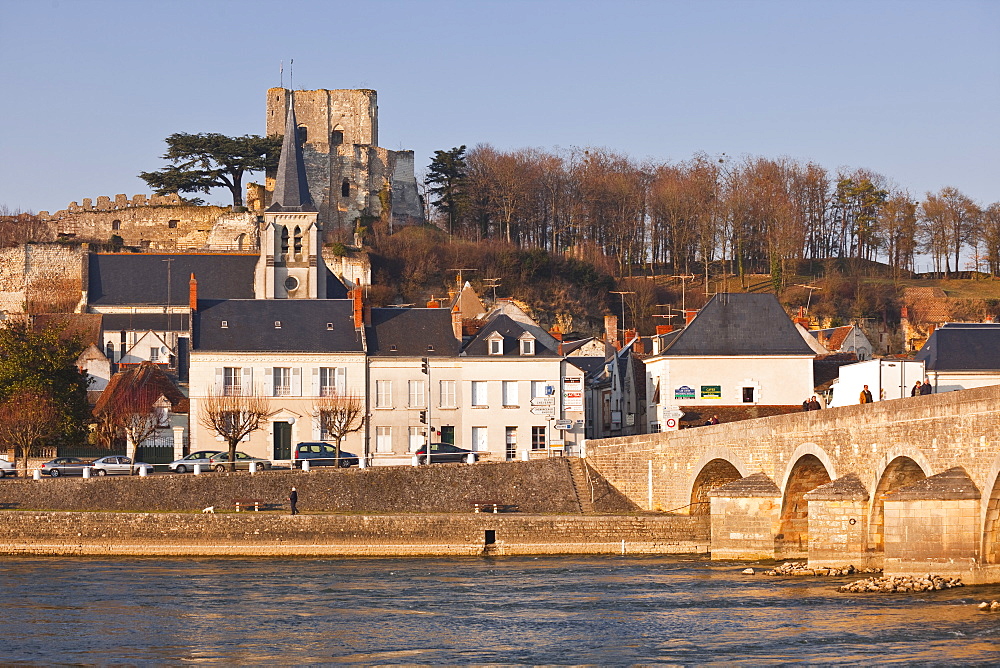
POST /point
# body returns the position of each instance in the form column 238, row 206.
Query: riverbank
column 254, row 534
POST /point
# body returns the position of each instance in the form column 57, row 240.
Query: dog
column 208, row 511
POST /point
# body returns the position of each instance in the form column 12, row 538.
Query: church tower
column 291, row 242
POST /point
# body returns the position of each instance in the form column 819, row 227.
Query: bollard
column 305, row 465
column 470, row 458
column 143, row 471
column 416, row 460
column 86, row 471
column 197, row 469
column 362, row 462
column 253, row 467
column 525, row 456
column 37, row 475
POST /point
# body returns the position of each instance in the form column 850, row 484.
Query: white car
column 7, row 469
column 119, row 464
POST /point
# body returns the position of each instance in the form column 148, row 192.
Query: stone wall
column 46, row 276
column 535, row 487
column 272, row 534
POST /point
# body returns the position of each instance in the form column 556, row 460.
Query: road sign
column 544, row 410
column 669, row 412
column 543, row 401
column 563, row 424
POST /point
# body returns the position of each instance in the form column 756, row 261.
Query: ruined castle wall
column 33, row 272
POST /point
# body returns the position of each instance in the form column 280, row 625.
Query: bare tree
column 234, row 417
column 27, row 418
column 340, row 415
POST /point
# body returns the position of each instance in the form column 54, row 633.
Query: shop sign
column 684, row 392
column 711, row 391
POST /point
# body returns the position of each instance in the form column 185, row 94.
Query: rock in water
column 748, row 571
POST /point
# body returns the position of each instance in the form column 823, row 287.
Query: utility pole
column 494, row 283
column 622, row 293
column 166, row 310
column 683, row 278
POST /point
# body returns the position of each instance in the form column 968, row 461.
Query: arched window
column 345, row 188
column 298, row 240
column 110, row 352
column 116, row 225
column 301, row 133
column 337, row 137
column 284, row 240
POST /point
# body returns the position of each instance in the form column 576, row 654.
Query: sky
column 909, row 89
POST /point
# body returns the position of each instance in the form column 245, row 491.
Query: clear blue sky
column 908, row 89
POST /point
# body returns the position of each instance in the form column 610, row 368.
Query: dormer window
column 495, row 344
column 392, row 348
column 430, row 349
column 225, row 324
column 277, row 324
column 527, row 342
column 329, row 326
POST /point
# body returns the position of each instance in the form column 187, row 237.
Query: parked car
column 7, row 469
column 65, row 466
column 445, row 452
column 119, row 464
column 220, row 462
column 323, row 454
column 185, row 464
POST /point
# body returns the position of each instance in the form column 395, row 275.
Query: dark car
column 323, row 454
column 445, row 452
column 65, row 466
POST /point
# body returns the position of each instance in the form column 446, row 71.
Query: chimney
column 689, row 315
column 611, row 329
column 629, row 335
column 358, row 306
column 640, row 347
column 193, row 293
column 456, row 322
column 556, row 333
column 433, row 303
column 664, row 329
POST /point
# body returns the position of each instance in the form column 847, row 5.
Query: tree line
column 708, row 214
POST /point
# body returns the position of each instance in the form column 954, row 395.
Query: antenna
column 291, row 75
column 622, row 293
column 281, row 73
column 494, row 282
column 810, row 288
column 460, row 284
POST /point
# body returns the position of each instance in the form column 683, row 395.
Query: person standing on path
column 866, row 396
column 293, row 499
column 917, row 389
column 926, row 387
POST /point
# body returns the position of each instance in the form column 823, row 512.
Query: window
column 154, row 353
column 325, row 419
column 232, row 381
column 297, row 240
column 447, row 388
column 748, row 395
column 109, row 351
column 480, row 443
column 479, row 393
column 527, row 345
column 172, row 224
column 302, row 134
column 284, row 240
column 417, row 438
column 345, row 188
column 116, row 225
column 337, row 137
column 332, row 381
column 383, row 394
column 225, row 324
column 495, row 345
column 329, row 326
column 510, row 440
column 538, row 438
column 383, row 439
column 282, row 381
column 417, row 396
column 509, row 392
column 277, row 324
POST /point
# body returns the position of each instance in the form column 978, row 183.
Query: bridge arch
column 899, row 470
column 991, row 523
column 718, row 465
column 809, row 468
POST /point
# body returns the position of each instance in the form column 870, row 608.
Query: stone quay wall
column 544, row 486
column 272, row 534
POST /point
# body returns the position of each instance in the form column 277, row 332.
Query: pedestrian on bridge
column 926, row 387
column 866, row 396
column 917, row 389
column 293, row 500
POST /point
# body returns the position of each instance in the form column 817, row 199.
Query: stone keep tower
column 291, row 239
column 349, row 175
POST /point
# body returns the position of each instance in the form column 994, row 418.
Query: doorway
column 282, row 440
column 448, row 434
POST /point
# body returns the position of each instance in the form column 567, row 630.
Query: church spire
column 291, row 191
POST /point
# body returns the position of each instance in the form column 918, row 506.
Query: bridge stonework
column 891, row 446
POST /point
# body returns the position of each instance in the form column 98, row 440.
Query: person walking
column 866, row 396
column 917, row 389
column 293, row 499
column 926, row 387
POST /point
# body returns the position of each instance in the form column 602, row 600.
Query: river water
column 516, row 610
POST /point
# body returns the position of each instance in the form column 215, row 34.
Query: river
column 516, row 610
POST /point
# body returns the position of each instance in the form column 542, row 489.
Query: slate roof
column 588, row 365
column 141, row 278
column 407, row 332
column 545, row 344
column 291, row 191
column 962, row 347
column 737, row 324
column 158, row 322
column 251, row 326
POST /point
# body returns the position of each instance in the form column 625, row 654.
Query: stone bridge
column 911, row 485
